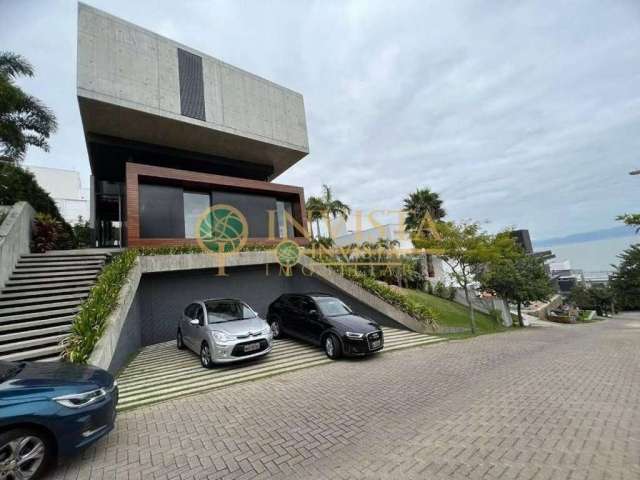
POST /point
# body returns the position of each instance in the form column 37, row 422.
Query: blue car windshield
column 332, row 307
column 9, row 370
column 219, row 311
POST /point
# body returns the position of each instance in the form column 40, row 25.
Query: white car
column 223, row 330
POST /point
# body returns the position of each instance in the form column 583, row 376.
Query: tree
column 316, row 212
column 518, row 278
column 24, row 120
column 631, row 219
column 465, row 249
column 625, row 280
column 419, row 206
column 333, row 207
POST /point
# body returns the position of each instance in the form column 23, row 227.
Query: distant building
column 65, row 187
column 564, row 278
column 433, row 267
column 523, row 239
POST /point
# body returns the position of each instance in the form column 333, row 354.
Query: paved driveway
column 555, row 402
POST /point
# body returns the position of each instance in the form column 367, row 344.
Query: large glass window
column 195, row 204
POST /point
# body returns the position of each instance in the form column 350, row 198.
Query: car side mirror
column 313, row 313
column 194, row 321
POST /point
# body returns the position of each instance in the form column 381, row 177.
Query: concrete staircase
column 40, row 299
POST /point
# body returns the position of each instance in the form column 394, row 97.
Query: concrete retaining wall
column 15, row 237
column 486, row 305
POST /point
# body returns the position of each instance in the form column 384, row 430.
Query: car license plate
column 252, row 347
column 375, row 344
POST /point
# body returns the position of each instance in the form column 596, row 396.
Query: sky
column 519, row 114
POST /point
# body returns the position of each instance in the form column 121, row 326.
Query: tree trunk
column 317, row 228
column 471, row 310
column 329, row 226
column 520, row 321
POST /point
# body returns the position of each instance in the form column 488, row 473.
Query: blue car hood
column 55, row 378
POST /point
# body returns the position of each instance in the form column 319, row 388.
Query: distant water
column 595, row 255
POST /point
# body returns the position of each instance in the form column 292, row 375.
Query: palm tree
column 315, row 212
column 24, row 120
column 333, row 207
column 418, row 206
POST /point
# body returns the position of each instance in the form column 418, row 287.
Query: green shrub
column 90, row 323
column 440, row 290
column 50, row 233
column 82, row 233
column 408, row 306
column 46, row 230
column 20, row 185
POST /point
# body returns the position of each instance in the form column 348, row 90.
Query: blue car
column 49, row 410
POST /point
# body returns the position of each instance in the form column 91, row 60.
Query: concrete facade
column 128, row 87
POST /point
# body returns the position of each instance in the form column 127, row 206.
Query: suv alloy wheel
column 332, row 347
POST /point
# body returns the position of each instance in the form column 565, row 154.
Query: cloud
column 524, row 114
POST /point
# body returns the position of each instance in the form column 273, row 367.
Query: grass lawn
column 451, row 314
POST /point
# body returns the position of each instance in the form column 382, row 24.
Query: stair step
column 35, row 287
column 4, row 296
column 19, row 270
column 61, row 263
column 65, row 254
column 39, row 315
column 33, row 354
column 35, row 302
column 34, row 342
column 37, row 280
column 8, row 312
column 28, row 276
column 35, row 323
column 9, row 337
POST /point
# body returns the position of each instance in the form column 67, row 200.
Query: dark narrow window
column 191, row 85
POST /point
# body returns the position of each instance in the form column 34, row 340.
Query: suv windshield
column 332, row 307
column 219, row 311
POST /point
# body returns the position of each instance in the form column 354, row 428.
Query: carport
column 162, row 372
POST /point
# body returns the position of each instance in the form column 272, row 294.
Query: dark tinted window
column 161, row 211
column 200, row 314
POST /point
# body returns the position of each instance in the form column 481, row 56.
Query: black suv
column 324, row 320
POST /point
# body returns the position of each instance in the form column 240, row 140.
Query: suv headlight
column 79, row 400
column 266, row 331
column 354, row 335
column 220, row 336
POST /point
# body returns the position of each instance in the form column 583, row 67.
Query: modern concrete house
column 171, row 131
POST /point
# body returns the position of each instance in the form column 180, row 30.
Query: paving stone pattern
column 544, row 403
